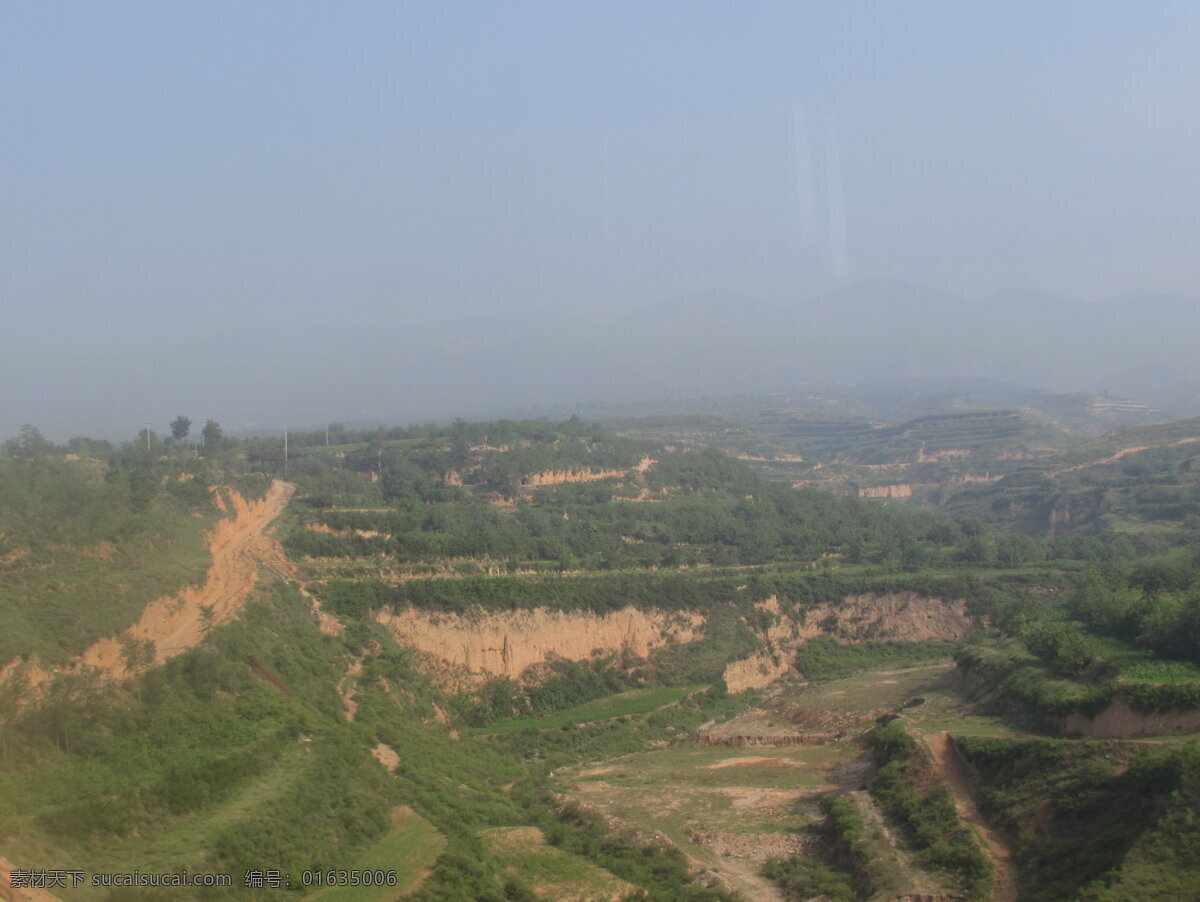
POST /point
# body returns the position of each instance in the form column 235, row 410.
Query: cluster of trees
column 1153, row 605
column 583, row 526
column 89, row 490
column 714, row 510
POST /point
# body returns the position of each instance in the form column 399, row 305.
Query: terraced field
column 745, row 790
column 409, row 849
column 551, row 873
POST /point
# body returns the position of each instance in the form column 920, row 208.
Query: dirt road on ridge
column 1124, row 452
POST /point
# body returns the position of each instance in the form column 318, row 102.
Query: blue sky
column 171, row 168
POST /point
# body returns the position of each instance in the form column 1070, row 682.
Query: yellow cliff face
column 508, row 643
column 886, row 491
column 756, row 672
column 558, row 477
column 1120, row 721
column 903, row 616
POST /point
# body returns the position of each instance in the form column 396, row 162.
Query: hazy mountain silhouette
column 1137, row 345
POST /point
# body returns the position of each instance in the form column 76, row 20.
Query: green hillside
column 88, row 537
column 292, row 743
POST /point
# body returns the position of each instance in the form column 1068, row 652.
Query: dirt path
column 1124, row 452
column 744, row 876
column 738, row 874
column 347, row 688
column 237, row 545
column 955, row 770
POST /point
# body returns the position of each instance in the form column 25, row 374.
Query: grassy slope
column 1091, row 814
column 522, row 854
column 58, row 600
column 623, row 704
column 328, row 800
column 205, row 758
column 409, row 848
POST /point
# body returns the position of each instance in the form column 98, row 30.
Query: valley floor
column 746, row 790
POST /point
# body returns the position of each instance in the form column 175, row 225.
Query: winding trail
column 237, row 545
column 1004, row 889
column 347, row 688
column 1124, row 452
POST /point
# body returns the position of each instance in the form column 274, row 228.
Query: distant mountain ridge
column 1137, row 345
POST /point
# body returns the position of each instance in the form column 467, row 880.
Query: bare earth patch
column 9, row 893
column 752, row 761
column 386, row 755
column 173, row 624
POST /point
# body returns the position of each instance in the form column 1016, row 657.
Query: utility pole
column 285, row 452
column 147, row 436
column 326, row 435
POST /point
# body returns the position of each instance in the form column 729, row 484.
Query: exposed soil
column 508, row 643
column 1119, row 721
column 558, row 477
column 753, row 846
column 753, row 761
column 9, row 893
column 386, row 755
column 743, row 875
column 480, row 642
column 347, row 687
column 755, row 672
column 954, row 769
column 904, row 616
column 237, row 545
column 326, row 623
column 1124, row 452
column 329, row 530
column 903, row 490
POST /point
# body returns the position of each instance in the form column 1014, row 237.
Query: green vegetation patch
column 623, row 704
column 1094, row 816
column 548, row 872
column 908, row 790
column 827, row 659
column 409, row 848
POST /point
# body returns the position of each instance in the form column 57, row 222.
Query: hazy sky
column 172, row 168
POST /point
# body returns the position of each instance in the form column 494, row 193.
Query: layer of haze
column 174, row 172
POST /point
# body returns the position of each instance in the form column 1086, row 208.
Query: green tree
column 181, row 427
column 136, row 655
column 29, row 444
column 210, row 438
column 143, row 487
